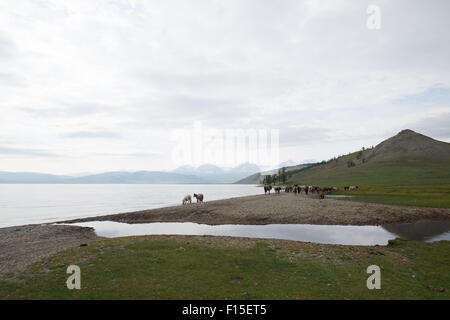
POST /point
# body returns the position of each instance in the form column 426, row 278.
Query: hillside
column 257, row 178
column 253, row 179
column 408, row 158
column 31, row 177
column 410, row 145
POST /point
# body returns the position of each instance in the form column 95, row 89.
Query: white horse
column 187, row 199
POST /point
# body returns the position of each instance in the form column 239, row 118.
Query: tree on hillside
column 274, row 178
column 283, row 175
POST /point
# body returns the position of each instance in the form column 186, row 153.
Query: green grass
column 435, row 196
column 168, row 267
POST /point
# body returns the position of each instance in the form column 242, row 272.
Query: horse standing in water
column 267, row 189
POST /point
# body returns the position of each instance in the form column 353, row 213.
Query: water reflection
column 327, row 234
column 422, row 230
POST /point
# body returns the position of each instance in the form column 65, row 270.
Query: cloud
column 437, row 126
column 11, row 80
column 431, row 96
column 130, row 155
column 93, row 135
column 63, row 110
column 131, row 72
column 302, row 135
column 7, row 48
column 7, row 151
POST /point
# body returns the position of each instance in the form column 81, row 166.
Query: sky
column 94, row 86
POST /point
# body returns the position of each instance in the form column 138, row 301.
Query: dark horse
column 199, row 197
column 267, row 189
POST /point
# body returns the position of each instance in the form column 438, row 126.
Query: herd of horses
column 296, row 189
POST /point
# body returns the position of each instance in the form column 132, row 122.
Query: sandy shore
column 280, row 208
column 23, row 245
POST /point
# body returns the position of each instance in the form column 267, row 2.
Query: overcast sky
column 92, row 86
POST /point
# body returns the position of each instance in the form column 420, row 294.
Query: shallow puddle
column 328, row 234
column 337, row 196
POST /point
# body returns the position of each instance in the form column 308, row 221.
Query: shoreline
column 21, row 246
column 278, row 209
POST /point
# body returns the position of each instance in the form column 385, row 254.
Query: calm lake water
column 37, row 203
column 329, row 234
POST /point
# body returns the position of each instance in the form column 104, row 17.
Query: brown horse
column 267, row 189
column 199, row 197
column 321, row 194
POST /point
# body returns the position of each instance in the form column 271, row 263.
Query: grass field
column 169, row 267
column 435, row 196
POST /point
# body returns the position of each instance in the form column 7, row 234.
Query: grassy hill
column 407, row 169
column 400, row 171
column 408, row 158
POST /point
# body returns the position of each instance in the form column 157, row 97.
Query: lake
column 22, row 204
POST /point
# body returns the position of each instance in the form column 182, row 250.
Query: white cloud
column 140, row 69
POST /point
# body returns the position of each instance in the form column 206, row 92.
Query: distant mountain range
column 404, row 159
column 204, row 174
column 117, row 177
column 212, row 173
